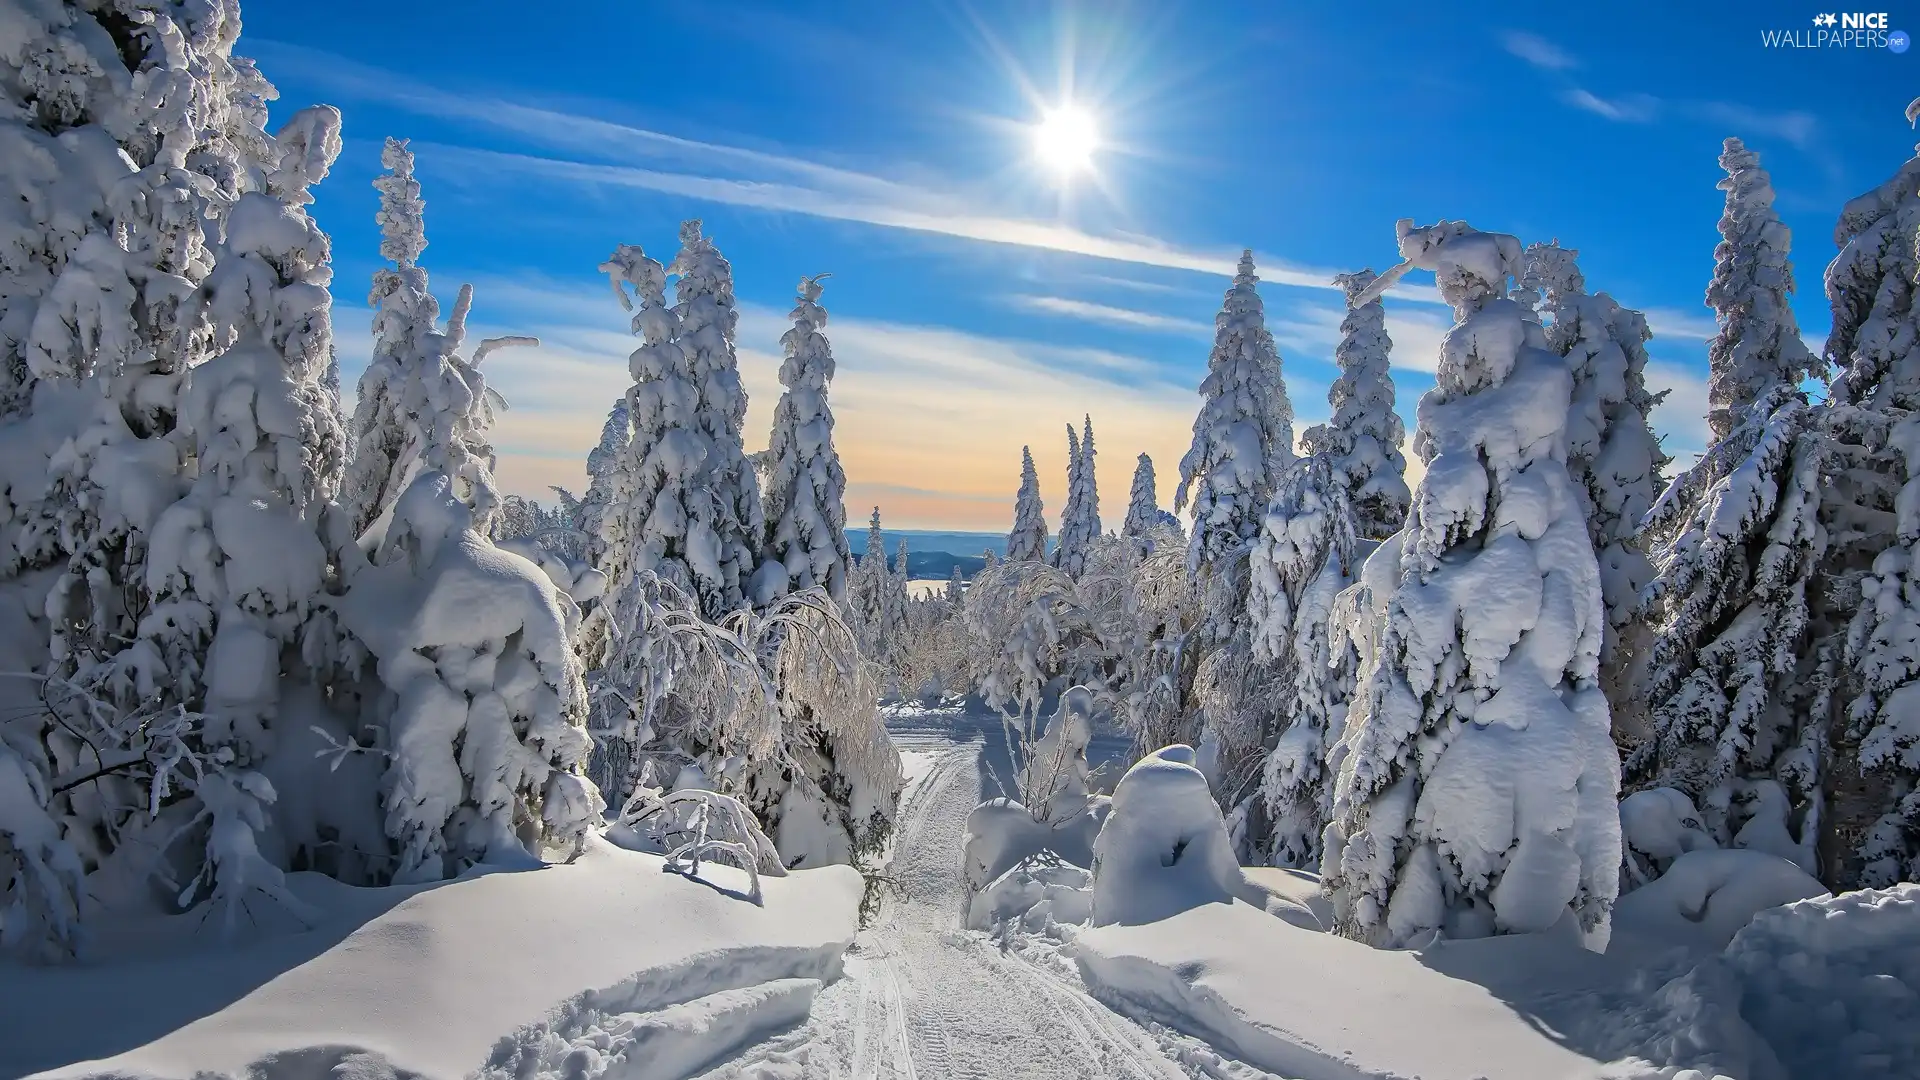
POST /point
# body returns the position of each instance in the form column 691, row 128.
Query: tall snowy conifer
column 1304, row 557
column 1080, row 520
column 1028, row 540
column 594, row 515
column 1242, row 439
column 423, row 405
column 806, row 491
column 1873, row 514
column 1612, row 452
column 1476, row 791
column 956, row 587
column 1758, row 345
column 1362, row 439
column 868, row 591
column 688, row 500
column 1738, row 676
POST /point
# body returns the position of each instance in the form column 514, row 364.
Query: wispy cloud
column 1631, row 109
column 1675, row 325
column 1538, row 51
column 1796, row 127
column 1314, row 330
column 747, row 177
column 1112, row 316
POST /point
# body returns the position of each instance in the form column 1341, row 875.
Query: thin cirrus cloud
column 930, row 421
column 1108, row 315
column 742, row 176
column 1795, row 126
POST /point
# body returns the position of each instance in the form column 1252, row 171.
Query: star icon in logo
column 1825, row 20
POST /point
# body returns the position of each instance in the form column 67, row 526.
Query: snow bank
column 1707, row 896
column 1834, row 982
column 554, row 972
column 1164, row 847
column 1001, row 834
column 1037, row 890
column 1303, row 1004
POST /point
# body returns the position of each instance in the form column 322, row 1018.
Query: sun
column 1065, row 140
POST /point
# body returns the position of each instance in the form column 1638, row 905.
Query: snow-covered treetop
column 1080, row 521
column 1362, row 439
column 1143, row 502
column 402, row 214
column 1243, row 434
column 1758, row 344
column 1028, row 540
column 1548, row 276
column 1870, row 285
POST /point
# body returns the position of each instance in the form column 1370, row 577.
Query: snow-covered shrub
column 1709, row 894
column 1657, row 826
column 1305, row 556
column 1362, row 438
column 689, row 825
column 1164, row 847
column 1477, row 781
column 876, row 606
column 1053, row 783
column 805, row 496
column 1039, row 889
column 485, row 710
column 777, row 708
column 1080, row 521
column 1028, row 540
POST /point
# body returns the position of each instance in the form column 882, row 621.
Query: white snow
column 498, row 969
column 1164, row 847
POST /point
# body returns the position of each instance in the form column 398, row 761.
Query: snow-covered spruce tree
column 1242, row 438
column 1477, row 794
column 423, row 404
column 1080, row 519
column 866, row 601
column 1730, row 685
column 1612, row 453
column 1758, row 345
column 956, row 587
column 1873, row 516
column 1144, row 515
column 806, row 492
column 1305, row 555
column 405, row 312
column 704, row 306
column 595, row 516
column 1362, row 438
column 1739, row 677
column 1028, row 540
column 688, row 506
column 115, row 197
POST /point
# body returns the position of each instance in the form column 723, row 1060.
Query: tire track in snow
column 921, row 998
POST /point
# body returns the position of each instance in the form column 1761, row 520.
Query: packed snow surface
column 543, row 973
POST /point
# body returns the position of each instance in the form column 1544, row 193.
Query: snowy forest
column 257, row 624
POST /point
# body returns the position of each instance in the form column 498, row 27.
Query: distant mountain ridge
column 934, row 554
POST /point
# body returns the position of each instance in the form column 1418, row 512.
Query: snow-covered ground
column 541, row 973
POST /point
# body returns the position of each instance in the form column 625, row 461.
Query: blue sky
column 977, row 305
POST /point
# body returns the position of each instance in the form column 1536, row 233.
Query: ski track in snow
column 922, row 999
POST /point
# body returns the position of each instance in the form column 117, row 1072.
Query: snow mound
column 1658, row 826
column 1001, row 834
column 1707, row 896
column 437, row 981
column 1164, row 847
column 1038, row 890
column 1302, row 1004
column 1834, row 982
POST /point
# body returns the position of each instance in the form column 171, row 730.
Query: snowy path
column 923, row 1000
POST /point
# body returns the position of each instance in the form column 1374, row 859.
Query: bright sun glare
column 1065, row 139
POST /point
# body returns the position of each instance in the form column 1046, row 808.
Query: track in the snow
column 923, row 1000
